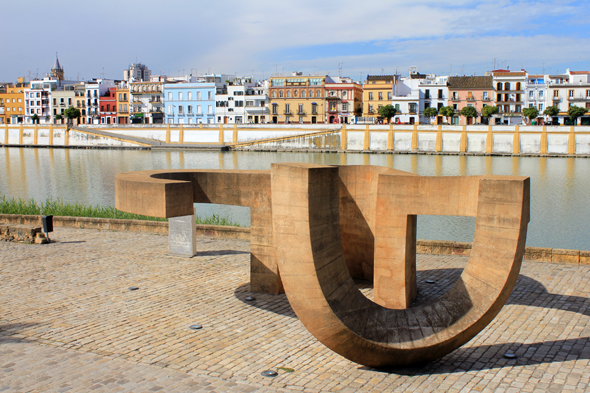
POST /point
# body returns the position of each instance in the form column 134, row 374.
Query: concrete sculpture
column 315, row 228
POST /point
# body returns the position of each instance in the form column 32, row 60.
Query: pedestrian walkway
column 69, row 322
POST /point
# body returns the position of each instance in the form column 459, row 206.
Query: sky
column 260, row 38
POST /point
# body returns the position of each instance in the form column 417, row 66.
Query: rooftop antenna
column 340, row 69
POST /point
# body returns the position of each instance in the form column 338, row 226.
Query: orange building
column 298, row 99
column 12, row 102
column 475, row 91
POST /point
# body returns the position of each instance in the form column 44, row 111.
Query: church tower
column 57, row 72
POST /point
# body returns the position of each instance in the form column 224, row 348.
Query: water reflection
column 560, row 216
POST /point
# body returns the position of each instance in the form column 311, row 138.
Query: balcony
column 579, row 99
column 301, row 113
column 556, row 99
column 455, row 99
column 486, row 99
column 508, row 102
column 287, row 112
column 470, row 98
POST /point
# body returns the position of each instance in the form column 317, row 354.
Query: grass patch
column 60, row 208
column 286, row 369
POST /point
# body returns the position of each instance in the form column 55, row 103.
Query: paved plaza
column 68, row 322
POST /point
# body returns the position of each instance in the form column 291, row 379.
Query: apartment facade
column 122, row 94
column 190, row 103
column 508, row 96
column 377, row 92
column 108, row 106
column 571, row 88
column 475, row 91
column 62, row 100
column 298, row 99
column 536, row 95
column 344, row 100
column 146, row 103
column 244, row 102
column 434, row 93
column 12, row 103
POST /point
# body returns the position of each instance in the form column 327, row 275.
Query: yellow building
column 122, row 104
column 377, row 92
column 298, row 99
column 80, row 101
column 12, row 102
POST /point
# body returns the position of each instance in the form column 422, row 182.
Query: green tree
column 531, row 113
column 574, row 112
column 430, row 112
column 551, row 111
column 488, row 111
column 58, row 117
column 72, row 113
column 387, row 112
column 447, row 111
column 468, row 111
column 35, row 118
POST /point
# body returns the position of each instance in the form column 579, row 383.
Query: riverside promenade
column 68, row 322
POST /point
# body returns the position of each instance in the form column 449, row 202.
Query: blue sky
column 262, row 37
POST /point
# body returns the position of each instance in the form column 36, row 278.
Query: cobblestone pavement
column 69, row 322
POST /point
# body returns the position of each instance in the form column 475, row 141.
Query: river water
column 560, row 187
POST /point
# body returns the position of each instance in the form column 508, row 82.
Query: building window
column 555, row 93
column 274, row 109
column 198, row 96
column 280, row 94
column 288, row 93
column 210, row 96
column 180, row 110
column 485, row 95
column 287, row 109
column 310, row 93
column 198, row 109
column 210, row 108
column 189, row 109
column 531, row 95
column 371, row 96
column 380, row 96
column 388, row 96
column 314, row 109
column 302, row 93
column 300, row 109
column 295, row 93
column 571, row 94
column 170, row 110
column 190, row 96
column 370, row 108
column 274, row 94
column 397, row 108
column 540, row 107
column 318, row 94
column 169, row 96
column 344, row 107
column 506, row 86
column 587, row 93
column 440, row 93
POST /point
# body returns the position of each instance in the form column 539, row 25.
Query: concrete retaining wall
column 537, row 254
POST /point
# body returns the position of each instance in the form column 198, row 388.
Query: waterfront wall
column 538, row 254
column 426, row 139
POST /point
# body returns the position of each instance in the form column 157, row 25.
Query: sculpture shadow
column 7, row 331
column 527, row 292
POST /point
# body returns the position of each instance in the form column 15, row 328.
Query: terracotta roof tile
column 470, row 82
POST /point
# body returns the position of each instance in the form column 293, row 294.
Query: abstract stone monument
column 315, row 228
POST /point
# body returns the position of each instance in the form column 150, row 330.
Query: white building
column 509, row 91
column 571, row 88
column 243, row 101
column 406, row 98
column 536, row 94
column 434, row 93
column 94, row 89
column 146, row 101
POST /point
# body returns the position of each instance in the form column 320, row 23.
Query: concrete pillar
column 544, row 140
column 415, row 138
column 6, row 134
column 390, row 140
column 516, row 140
column 20, row 134
column 367, row 141
column 490, row 141
column 66, row 137
column 571, row 142
column 463, row 142
column 182, row 235
column 168, row 133
column 181, row 134
column 221, row 140
column 439, row 140
column 51, row 135
column 343, row 138
column 235, row 134
column 36, row 135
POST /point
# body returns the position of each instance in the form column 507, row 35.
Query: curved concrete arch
column 305, row 203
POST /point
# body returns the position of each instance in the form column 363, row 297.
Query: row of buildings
column 141, row 97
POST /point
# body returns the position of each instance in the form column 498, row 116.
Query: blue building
column 189, row 103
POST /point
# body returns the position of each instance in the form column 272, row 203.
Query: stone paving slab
column 69, row 321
